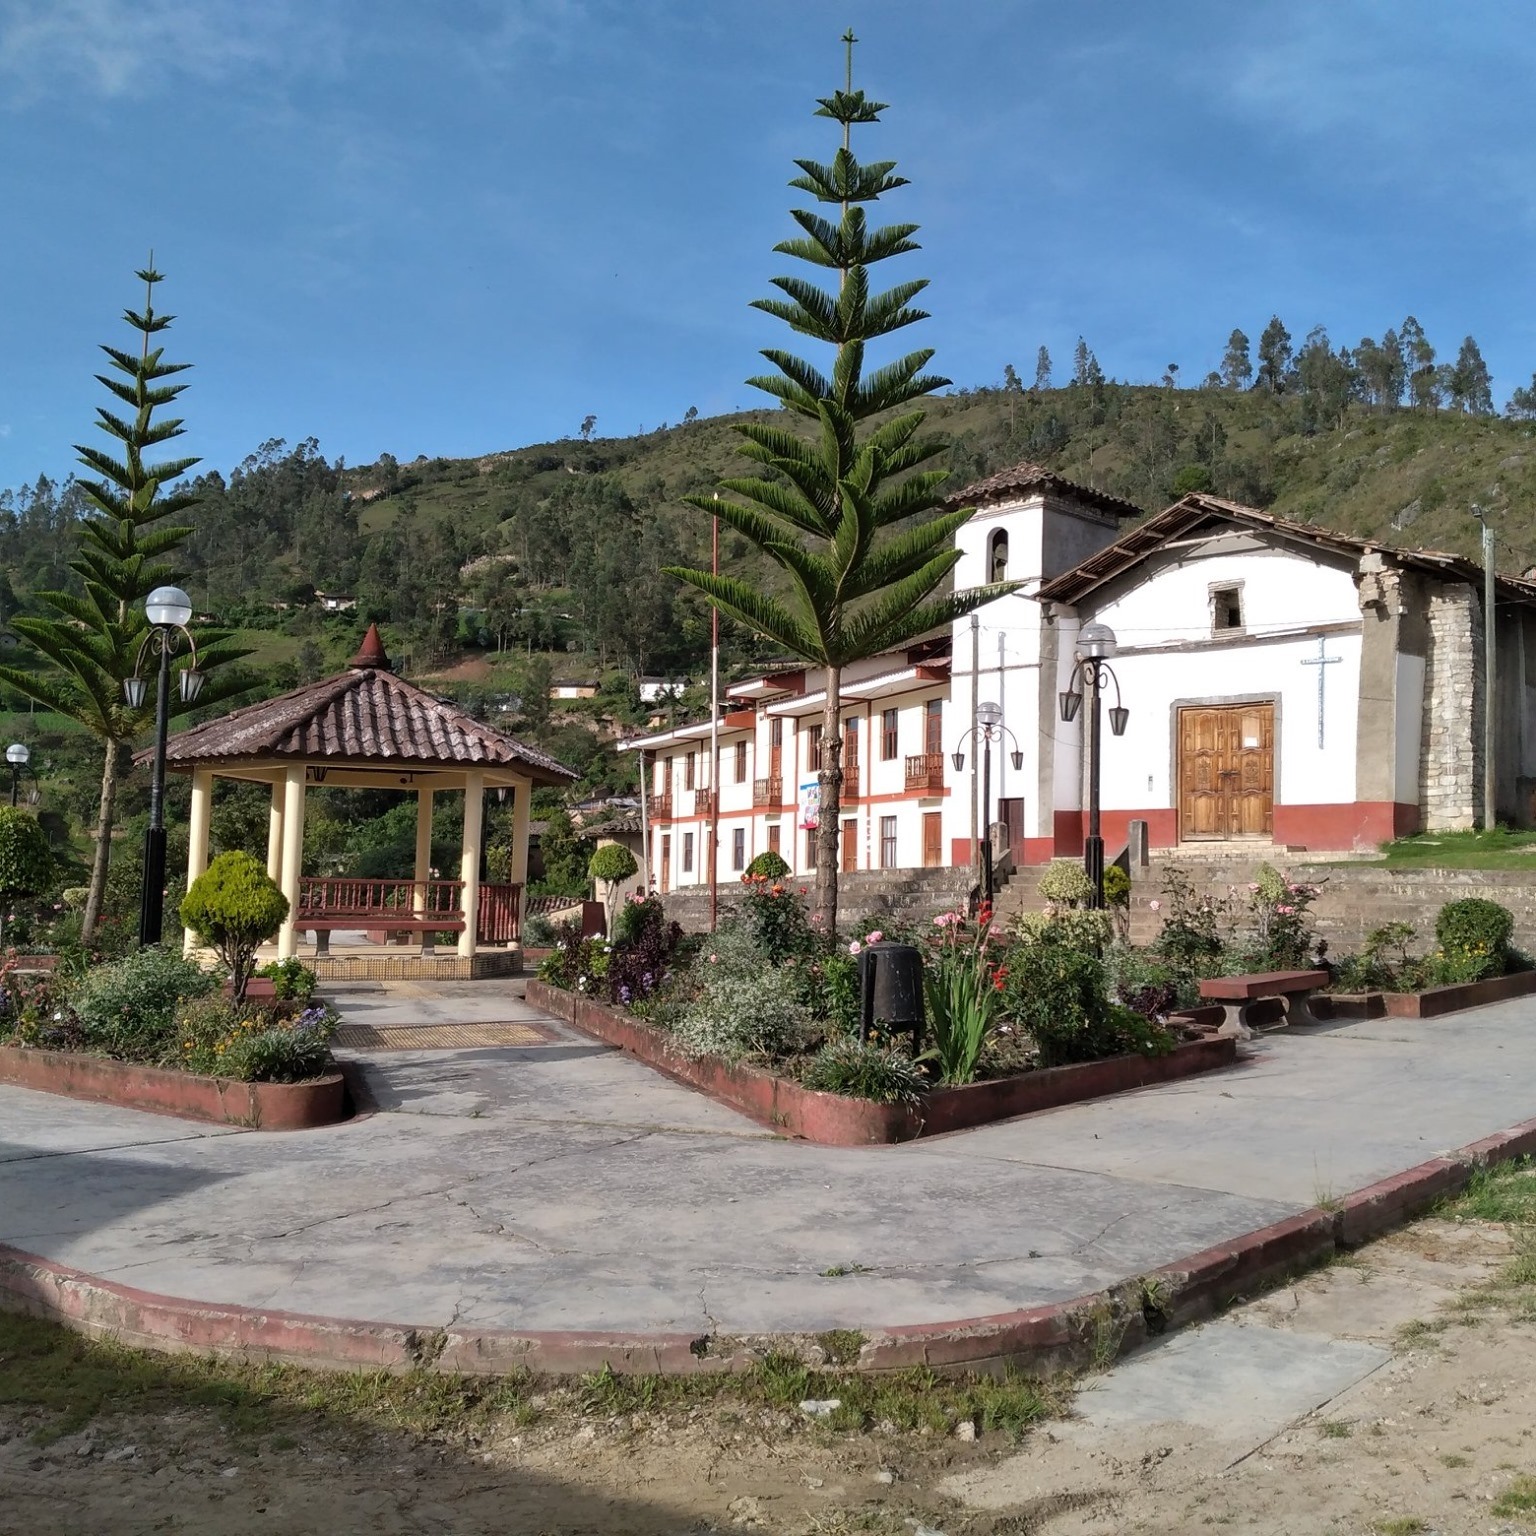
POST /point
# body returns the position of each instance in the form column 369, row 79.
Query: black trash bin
column 891, row 991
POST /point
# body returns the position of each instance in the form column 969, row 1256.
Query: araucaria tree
column 91, row 646
column 845, row 509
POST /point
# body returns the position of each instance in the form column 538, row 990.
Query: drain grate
column 439, row 1037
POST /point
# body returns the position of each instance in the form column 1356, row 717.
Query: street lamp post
column 168, row 610
column 989, row 727
column 17, row 755
column 1090, row 665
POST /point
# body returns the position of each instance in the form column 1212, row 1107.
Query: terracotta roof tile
column 1026, row 477
column 365, row 715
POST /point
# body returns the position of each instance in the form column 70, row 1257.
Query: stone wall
column 1451, row 747
column 865, row 896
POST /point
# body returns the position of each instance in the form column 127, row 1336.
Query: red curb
column 1040, row 1339
column 1389, row 1202
column 186, row 1095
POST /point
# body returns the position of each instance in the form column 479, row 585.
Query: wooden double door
column 1226, row 771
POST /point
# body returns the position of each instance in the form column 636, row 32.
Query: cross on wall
column 1322, row 661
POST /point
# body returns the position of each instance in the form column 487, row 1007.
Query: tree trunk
column 828, row 825
column 96, row 894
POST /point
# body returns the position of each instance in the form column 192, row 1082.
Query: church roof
column 363, row 716
column 1147, row 538
column 1028, row 478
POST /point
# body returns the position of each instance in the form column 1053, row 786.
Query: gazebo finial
column 371, row 654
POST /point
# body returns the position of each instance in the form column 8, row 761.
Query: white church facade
column 1286, row 686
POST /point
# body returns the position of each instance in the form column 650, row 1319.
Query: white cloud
column 117, row 48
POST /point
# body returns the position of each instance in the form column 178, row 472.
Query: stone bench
column 1237, row 994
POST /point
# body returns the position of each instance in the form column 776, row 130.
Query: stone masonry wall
column 1451, row 745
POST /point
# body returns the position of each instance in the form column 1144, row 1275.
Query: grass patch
column 1335, row 1429
column 65, row 1382
column 1500, row 848
column 1504, row 1193
column 1400, row 1525
column 1451, row 1459
column 1518, row 1499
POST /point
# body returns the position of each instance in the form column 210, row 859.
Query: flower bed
column 164, row 1091
column 836, row 1120
column 1432, row 1002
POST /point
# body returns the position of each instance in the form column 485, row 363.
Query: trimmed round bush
column 26, row 860
column 1474, row 935
column 1065, row 882
column 235, row 907
column 768, row 865
column 612, row 863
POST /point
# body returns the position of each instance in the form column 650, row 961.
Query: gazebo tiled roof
column 363, row 716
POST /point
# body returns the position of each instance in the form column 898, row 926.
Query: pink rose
column 873, row 938
column 1155, row 905
column 854, row 947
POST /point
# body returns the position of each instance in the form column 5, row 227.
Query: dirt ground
column 1439, row 1439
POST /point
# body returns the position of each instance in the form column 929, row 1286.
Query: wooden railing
column 661, row 807
column 418, row 905
column 768, row 792
column 925, row 772
column 703, row 802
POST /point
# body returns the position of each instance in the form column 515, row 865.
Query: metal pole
column 15, row 784
column 152, row 899
column 1093, row 845
column 1490, row 677
column 645, row 826
column 986, row 814
column 714, row 733
column 975, row 696
column 1002, row 698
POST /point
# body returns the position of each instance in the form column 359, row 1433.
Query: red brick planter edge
column 833, row 1120
column 162, row 1091
column 1431, row 1003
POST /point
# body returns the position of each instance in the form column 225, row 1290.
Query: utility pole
column 975, row 697
column 1490, row 678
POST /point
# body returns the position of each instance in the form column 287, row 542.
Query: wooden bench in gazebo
column 365, row 728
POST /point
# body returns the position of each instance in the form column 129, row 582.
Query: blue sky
column 461, row 227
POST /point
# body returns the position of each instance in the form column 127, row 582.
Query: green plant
column 1193, row 926
column 1473, row 935
column 538, row 931
column 852, row 518
column 291, row 979
column 248, row 1042
column 835, row 991
column 1117, row 887
column 863, row 1070
column 576, row 964
column 743, row 1005
column 1059, row 995
column 90, row 643
column 1283, row 937
column 1144, row 983
column 1518, row 1499
column 612, row 864
column 1066, row 883
column 768, row 865
column 235, row 906
column 1073, row 927
column 26, row 860
column 126, row 1008
column 962, row 987
column 776, row 917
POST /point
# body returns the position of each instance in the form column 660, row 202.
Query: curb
column 1039, row 1340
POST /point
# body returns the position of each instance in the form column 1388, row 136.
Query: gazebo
column 365, row 728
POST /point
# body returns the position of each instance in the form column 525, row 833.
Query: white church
column 1284, row 685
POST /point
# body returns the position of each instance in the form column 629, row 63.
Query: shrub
column 768, row 865
column 1117, row 886
column 127, row 1007
column 641, row 963
column 778, row 920
column 1071, row 927
column 743, row 1005
column 291, row 979
column 577, row 964
column 863, row 1071
column 1473, row 935
column 1065, row 883
column 636, row 915
column 1144, row 983
column 538, row 931
column 235, row 906
column 613, row 864
column 253, row 1044
column 26, row 860
column 962, row 987
column 1283, row 936
column 834, row 992
column 1192, row 935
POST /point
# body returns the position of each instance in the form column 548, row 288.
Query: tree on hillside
column 1469, row 384
column 1419, row 361
column 1085, row 366
column 1522, row 403
column 1236, row 368
column 826, row 510
column 1042, row 370
column 91, row 645
column 1325, row 380
column 1274, row 357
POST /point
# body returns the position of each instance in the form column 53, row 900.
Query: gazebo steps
column 401, row 965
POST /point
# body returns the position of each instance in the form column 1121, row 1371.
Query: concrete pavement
column 562, row 1186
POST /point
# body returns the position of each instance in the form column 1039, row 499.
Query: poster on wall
column 810, row 804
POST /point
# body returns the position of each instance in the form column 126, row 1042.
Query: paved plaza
column 555, row 1184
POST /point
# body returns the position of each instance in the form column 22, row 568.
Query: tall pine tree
column 92, row 644
column 826, row 504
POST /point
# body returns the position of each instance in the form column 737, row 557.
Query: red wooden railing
column 925, row 771
column 379, row 903
column 500, row 920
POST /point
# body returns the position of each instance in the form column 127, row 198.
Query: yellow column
column 423, row 850
column 293, row 858
column 469, row 858
column 197, row 837
column 275, row 834
column 521, row 815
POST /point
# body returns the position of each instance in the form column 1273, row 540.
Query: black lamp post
column 1095, row 645
column 989, row 726
column 18, row 755
column 168, row 609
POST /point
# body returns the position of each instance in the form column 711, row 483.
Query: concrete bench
column 1238, row 993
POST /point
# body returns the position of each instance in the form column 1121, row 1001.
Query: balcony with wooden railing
column 703, row 802
column 925, row 773
column 661, row 807
column 768, row 793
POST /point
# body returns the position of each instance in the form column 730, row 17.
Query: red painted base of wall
column 261, row 1106
column 835, row 1121
column 1316, row 828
